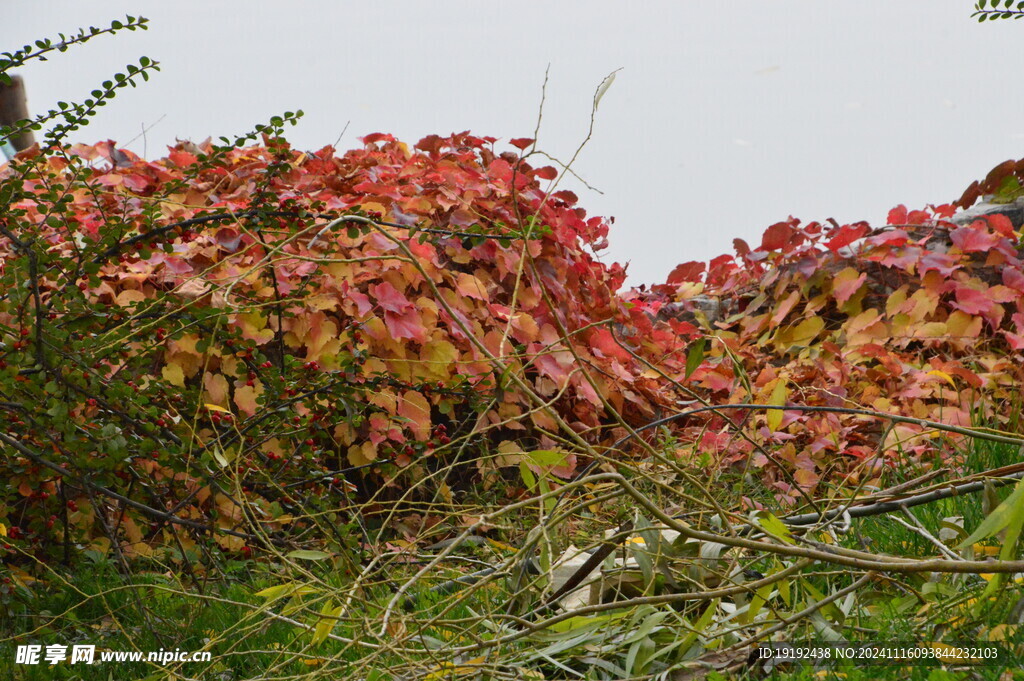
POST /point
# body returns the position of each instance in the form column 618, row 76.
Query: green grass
column 154, row 610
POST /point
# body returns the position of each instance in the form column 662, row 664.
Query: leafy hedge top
column 922, row 318
column 258, row 321
column 210, row 308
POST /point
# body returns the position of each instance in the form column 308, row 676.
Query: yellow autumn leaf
column 214, row 407
column 245, row 398
column 944, row 376
column 437, row 357
column 960, row 325
column 778, row 398
column 932, row 330
column 254, row 327
column 360, row 455
column 173, row 374
column 800, row 335
column 808, row 330
column 129, row 297
column 216, row 388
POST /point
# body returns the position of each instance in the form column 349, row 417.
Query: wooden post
column 14, row 108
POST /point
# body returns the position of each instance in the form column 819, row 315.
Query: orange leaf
column 415, row 407
column 471, row 287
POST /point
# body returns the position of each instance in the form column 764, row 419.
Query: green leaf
column 304, row 554
column 575, row 624
column 1001, row 516
column 330, row 614
column 546, row 457
column 527, row 475
column 775, row 527
column 695, row 355
column 274, row 592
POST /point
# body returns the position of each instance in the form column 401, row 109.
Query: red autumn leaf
column 974, row 238
column 1000, row 224
column 1014, row 340
column 777, row 236
column 228, row 238
column 604, row 343
column 894, row 237
column 741, row 247
column 406, row 325
column 687, row 271
column 376, row 137
column 430, row 143
column 972, row 301
column 546, row 173
column 181, row 158
column 389, row 298
column 521, row 142
column 846, row 235
column 918, row 217
column 719, row 268
column 1013, row 278
column 898, row 215
column 569, row 197
column 943, row 263
column 970, row 195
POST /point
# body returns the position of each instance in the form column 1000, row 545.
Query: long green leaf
column 1001, row 516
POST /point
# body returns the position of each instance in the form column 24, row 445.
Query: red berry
column 310, row 442
column 25, row 332
column 72, row 506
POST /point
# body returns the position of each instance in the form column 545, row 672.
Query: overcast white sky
column 726, row 117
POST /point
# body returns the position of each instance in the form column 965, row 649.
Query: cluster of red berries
column 18, row 345
column 441, row 434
